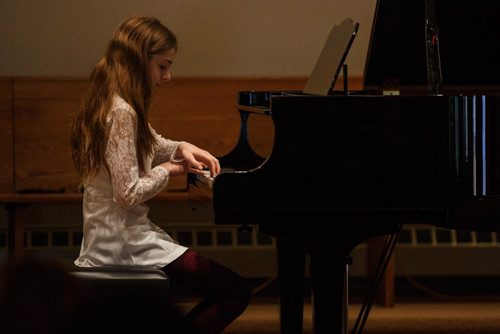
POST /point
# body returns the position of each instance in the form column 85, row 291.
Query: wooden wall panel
column 199, row 110
column 6, row 137
column 43, row 111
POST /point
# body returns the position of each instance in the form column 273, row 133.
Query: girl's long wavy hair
column 123, row 71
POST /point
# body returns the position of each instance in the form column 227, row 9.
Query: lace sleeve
column 165, row 150
column 130, row 186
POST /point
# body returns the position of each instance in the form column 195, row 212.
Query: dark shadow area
column 38, row 296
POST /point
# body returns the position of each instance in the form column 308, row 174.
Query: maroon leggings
column 226, row 293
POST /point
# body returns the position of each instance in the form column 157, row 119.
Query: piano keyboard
column 205, row 179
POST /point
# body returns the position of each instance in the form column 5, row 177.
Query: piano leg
column 329, row 277
column 291, row 270
column 330, row 257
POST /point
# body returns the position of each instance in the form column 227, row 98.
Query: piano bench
column 110, row 281
column 126, row 300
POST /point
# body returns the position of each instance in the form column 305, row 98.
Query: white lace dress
column 116, row 227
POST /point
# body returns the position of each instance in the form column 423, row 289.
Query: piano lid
column 468, row 34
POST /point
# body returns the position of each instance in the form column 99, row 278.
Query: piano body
column 354, row 165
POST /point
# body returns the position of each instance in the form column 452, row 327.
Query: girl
column 123, row 162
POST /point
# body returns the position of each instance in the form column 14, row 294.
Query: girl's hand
column 175, row 168
column 197, row 159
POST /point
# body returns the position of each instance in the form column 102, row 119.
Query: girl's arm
column 165, row 150
column 130, row 187
column 192, row 158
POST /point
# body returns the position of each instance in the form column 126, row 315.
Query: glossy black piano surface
column 344, row 169
column 364, row 158
column 354, row 165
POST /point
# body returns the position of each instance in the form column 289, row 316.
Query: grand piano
column 418, row 145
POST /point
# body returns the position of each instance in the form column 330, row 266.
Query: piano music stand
column 332, row 58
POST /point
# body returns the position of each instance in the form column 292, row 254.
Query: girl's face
column 159, row 67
